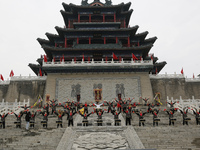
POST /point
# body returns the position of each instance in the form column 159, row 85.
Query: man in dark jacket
column 27, row 118
column 3, row 119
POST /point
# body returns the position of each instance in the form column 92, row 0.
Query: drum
column 156, row 120
column 79, row 124
column 44, row 122
column 187, row 119
column 173, row 120
column 59, row 122
column 117, row 120
column 17, row 122
column 100, row 121
column 84, row 121
column 142, row 120
column 32, row 122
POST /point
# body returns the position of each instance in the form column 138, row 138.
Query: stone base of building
column 88, row 87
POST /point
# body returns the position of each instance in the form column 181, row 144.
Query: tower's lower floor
column 87, row 87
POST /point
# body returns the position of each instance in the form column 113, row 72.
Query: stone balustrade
column 98, row 63
column 6, row 107
column 191, row 104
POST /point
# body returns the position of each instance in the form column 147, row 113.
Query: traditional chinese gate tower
column 97, row 56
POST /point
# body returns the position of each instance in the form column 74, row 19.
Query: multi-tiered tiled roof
column 93, row 34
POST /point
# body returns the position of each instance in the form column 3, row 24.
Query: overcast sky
column 176, row 23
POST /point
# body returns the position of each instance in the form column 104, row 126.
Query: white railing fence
column 103, row 62
column 22, row 78
column 159, row 76
column 8, row 107
column 192, row 104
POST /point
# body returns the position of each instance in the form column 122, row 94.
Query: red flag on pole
column 54, row 59
column 74, row 59
column 83, row 58
column 45, row 58
column 88, row 59
column 63, row 58
column 120, row 58
column 106, row 59
column 156, row 71
column 182, row 71
column 11, row 73
column 152, row 57
column 115, row 57
column 134, row 57
column 2, row 78
column 193, row 76
column 40, row 72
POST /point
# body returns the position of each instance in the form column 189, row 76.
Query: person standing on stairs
column 3, row 120
column 19, row 116
column 27, row 118
column 60, row 114
column 197, row 116
column 141, row 117
column 70, row 118
column 116, row 117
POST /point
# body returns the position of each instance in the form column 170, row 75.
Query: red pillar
column 77, row 40
column 90, row 18
column 138, row 43
column 79, row 18
column 124, row 23
column 129, row 42
column 104, row 39
column 65, row 42
column 69, row 24
column 55, row 44
column 104, row 18
column 115, row 17
column 116, row 40
column 89, row 40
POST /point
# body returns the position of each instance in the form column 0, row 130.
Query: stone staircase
column 167, row 137
column 161, row 137
column 38, row 138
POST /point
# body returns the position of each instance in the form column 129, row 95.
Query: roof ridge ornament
column 84, row 2
column 108, row 2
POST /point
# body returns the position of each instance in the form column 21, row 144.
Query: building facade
column 97, row 55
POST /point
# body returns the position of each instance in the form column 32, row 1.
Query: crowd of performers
column 70, row 108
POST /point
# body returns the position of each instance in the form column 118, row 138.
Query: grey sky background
column 176, row 23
